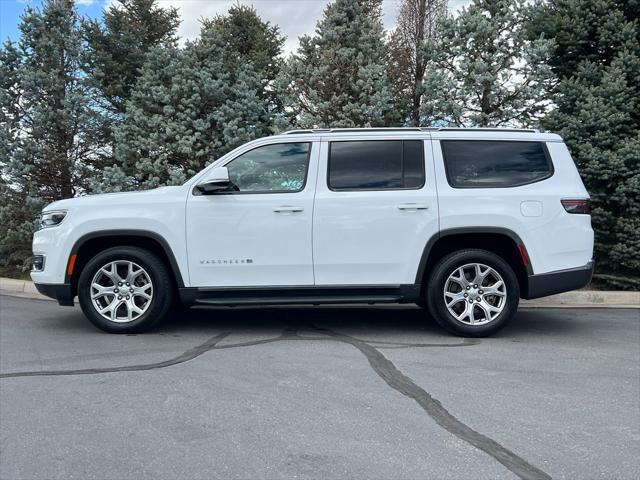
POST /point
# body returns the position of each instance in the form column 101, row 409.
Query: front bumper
column 557, row 282
column 63, row 293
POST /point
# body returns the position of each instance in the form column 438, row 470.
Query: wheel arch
column 91, row 243
column 501, row 241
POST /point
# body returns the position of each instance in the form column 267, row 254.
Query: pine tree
column 249, row 39
column 339, row 78
column 46, row 127
column 371, row 8
column 484, row 69
column 117, row 48
column 417, row 23
column 186, row 110
column 596, row 61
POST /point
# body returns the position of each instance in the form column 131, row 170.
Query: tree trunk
column 419, row 65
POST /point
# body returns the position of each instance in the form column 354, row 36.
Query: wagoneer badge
column 231, row 261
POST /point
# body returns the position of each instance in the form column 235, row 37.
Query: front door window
column 269, row 169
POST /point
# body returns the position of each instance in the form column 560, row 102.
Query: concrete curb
column 586, row 298
column 20, row 288
column 576, row 299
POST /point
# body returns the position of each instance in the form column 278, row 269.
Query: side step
column 300, row 295
column 297, row 300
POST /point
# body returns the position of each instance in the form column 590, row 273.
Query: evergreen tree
column 117, row 48
column 248, row 39
column 596, row 60
column 46, row 127
column 417, row 23
column 371, row 8
column 484, row 70
column 338, row 78
column 186, row 110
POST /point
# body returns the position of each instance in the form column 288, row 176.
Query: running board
column 300, row 295
column 310, row 300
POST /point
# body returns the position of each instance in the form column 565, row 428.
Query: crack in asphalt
column 397, row 380
column 380, row 364
column 184, row 357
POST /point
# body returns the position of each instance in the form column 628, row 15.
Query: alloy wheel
column 475, row 294
column 121, row 291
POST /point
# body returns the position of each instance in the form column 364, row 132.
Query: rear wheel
column 473, row 293
column 125, row 290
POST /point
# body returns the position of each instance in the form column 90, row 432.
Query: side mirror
column 216, row 181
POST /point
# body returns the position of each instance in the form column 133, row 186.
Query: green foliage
column 18, row 212
column 191, row 105
column 338, row 78
column 597, row 61
column 248, row 39
column 402, row 70
column 188, row 108
column 116, row 49
column 484, row 70
column 46, row 126
column 592, row 31
column 371, row 8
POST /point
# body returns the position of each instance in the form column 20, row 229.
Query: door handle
column 288, row 209
column 413, row 206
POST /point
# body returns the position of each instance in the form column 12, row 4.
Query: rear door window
column 376, row 165
column 490, row 163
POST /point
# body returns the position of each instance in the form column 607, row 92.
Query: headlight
column 52, row 218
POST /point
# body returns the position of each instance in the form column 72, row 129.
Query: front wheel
column 125, row 290
column 473, row 293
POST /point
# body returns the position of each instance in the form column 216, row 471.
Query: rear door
column 375, row 209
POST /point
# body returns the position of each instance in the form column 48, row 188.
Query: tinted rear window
column 376, row 165
column 486, row 163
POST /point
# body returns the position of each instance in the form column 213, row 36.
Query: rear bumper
column 557, row 282
column 61, row 292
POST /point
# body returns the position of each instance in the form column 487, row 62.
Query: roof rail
column 409, row 129
column 310, row 130
column 372, row 129
column 488, row 129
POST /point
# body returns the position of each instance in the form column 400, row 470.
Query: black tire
column 436, row 300
column 162, row 287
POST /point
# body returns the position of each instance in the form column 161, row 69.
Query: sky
column 295, row 17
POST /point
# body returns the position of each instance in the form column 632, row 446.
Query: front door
column 375, row 209
column 258, row 233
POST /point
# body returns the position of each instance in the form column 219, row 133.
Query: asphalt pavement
column 324, row 392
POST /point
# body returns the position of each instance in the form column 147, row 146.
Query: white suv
column 461, row 221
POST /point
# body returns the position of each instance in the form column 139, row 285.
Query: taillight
column 576, row 205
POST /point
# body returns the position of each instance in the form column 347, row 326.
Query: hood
column 109, row 198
